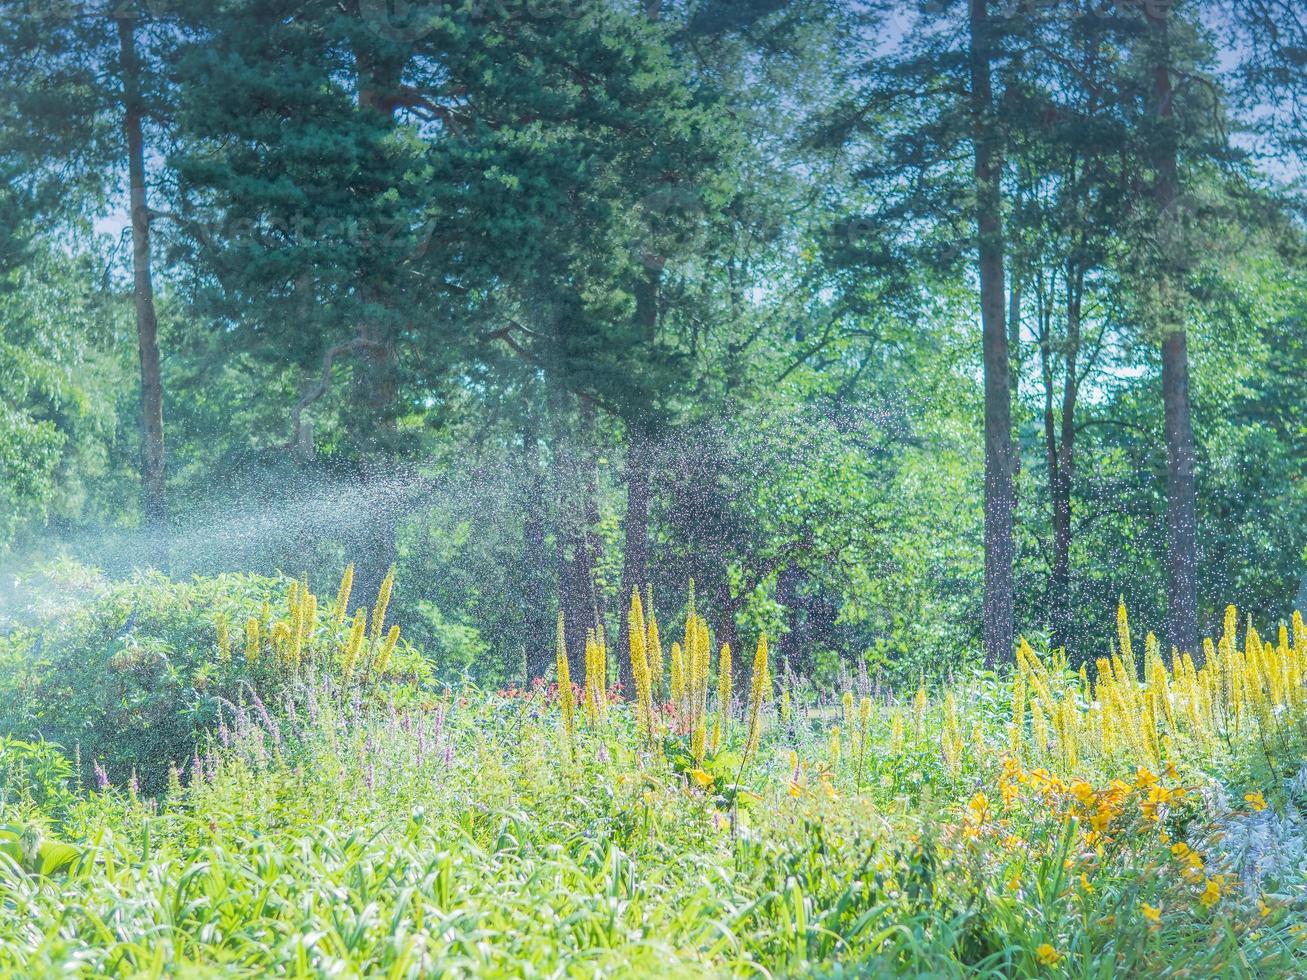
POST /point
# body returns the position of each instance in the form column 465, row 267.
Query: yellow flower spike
column 835, row 745
column 601, row 673
column 309, row 625
column 703, row 651
column 1123, row 635
column 637, row 637
column 341, row 607
column 566, row 699
column 387, row 648
column 1038, row 729
column 296, row 635
column 759, row 691
column 677, row 671
column 252, row 640
column 654, row 651
column 596, row 698
column 383, row 603
column 355, row 643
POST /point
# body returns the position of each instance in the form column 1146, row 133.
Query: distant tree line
column 902, row 328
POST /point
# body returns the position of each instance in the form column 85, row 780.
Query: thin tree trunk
column 1181, row 523
column 537, row 623
column 1014, row 359
column 639, row 453
column 1062, row 474
column 1181, row 488
column 576, row 493
column 1000, row 495
column 153, row 457
column 635, row 558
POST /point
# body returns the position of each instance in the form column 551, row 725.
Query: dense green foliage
column 886, row 327
column 531, row 299
column 383, row 829
column 128, row 670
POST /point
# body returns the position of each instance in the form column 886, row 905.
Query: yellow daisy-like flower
column 701, row 778
column 1151, row 912
column 1256, row 801
column 1211, row 893
column 1047, row 955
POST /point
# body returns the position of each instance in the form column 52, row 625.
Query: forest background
column 901, row 328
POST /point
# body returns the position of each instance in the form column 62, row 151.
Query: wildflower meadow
column 330, row 810
column 568, row 489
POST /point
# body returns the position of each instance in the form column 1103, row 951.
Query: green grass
column 458, row 840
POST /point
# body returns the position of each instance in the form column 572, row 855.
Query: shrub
column 128, row 672
column 132, row 674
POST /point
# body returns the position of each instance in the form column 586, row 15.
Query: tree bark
column 1181, row 491
column 537, row 623
column 1060, row 439
column 1181, row 486
column 576, row 494
column 1000, row 495
column 153, row 456
column 635, row 557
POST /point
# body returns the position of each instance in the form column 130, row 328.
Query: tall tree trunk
column 1014, row 359
column 1181, row 488
column 576, row 492
column 635, row 557
column 1061, row 466
column 537, row 623
column 1000, row 494
column 639, row 456
column 153, row 458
